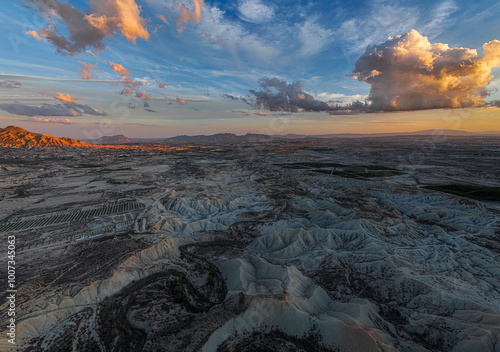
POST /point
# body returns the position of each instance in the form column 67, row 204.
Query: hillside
column 118, row 139
column 13, row 136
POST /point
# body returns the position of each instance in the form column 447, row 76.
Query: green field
column 473, row 192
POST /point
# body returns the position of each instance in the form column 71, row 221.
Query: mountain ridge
column 14, row 136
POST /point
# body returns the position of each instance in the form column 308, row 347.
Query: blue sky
column 224, row 50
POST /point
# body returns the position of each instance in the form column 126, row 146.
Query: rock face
column 13, row 136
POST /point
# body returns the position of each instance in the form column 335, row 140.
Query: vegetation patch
column 474, row 192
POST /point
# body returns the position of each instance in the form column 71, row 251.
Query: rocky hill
column 13, row 136
column 118, row 139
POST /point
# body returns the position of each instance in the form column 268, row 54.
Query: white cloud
column 255, row 11
column 441, row 17
column 236, row 38
column 313, row 37
column 382, row 21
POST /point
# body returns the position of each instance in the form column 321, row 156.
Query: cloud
column 313, row 37
column 381, row 21
column 242, row 112
column 65, row 98
column 50, row 109
column 278, row 95
column 441, row 18
column 10, row 84
column 218, row 28
column 254, row 11
column 51, row 120
column 111, row 15
column 130, row 85
column 409, row 73
column 142, row 95
column 90, row 28
column 33, row 34
column 85, row 70
column 91, row 53
column 126, row 91
column 161, row 17
column 81, row 33
column 119, row 68
column 230, row 97
column 187, row 15
column 181, row 101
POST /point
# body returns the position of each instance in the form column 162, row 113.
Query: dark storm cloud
column 50, row 109
column 278, row 95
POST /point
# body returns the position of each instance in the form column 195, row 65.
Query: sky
column 160, row 68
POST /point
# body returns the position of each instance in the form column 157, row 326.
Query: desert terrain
column 321, row 244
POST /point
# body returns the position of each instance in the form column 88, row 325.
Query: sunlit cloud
column 65, row 98
column 85, row 70
column 88, row 29
column 189, row 16
column 142, row 95
column 409, row 73
column 52, row 120
column 162, row 18
column 110, row 15
column 119, row 68
column 33, row 34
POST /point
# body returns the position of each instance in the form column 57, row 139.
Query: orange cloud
column 65, row 98
column 187, row 16
column 123, row 14
column 409, row 73
column 85, row 70
column 181, row 101
column 51, row 120
column 161, row 17
column 34, row 34
column 119, row 68
column 142, row 95
column 91, row 53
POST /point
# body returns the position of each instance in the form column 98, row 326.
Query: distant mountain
column 429, row 132
column 118, row 139
column 220, row 137
column 13, row 136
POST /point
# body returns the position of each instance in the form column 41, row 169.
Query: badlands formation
column 275, row 246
